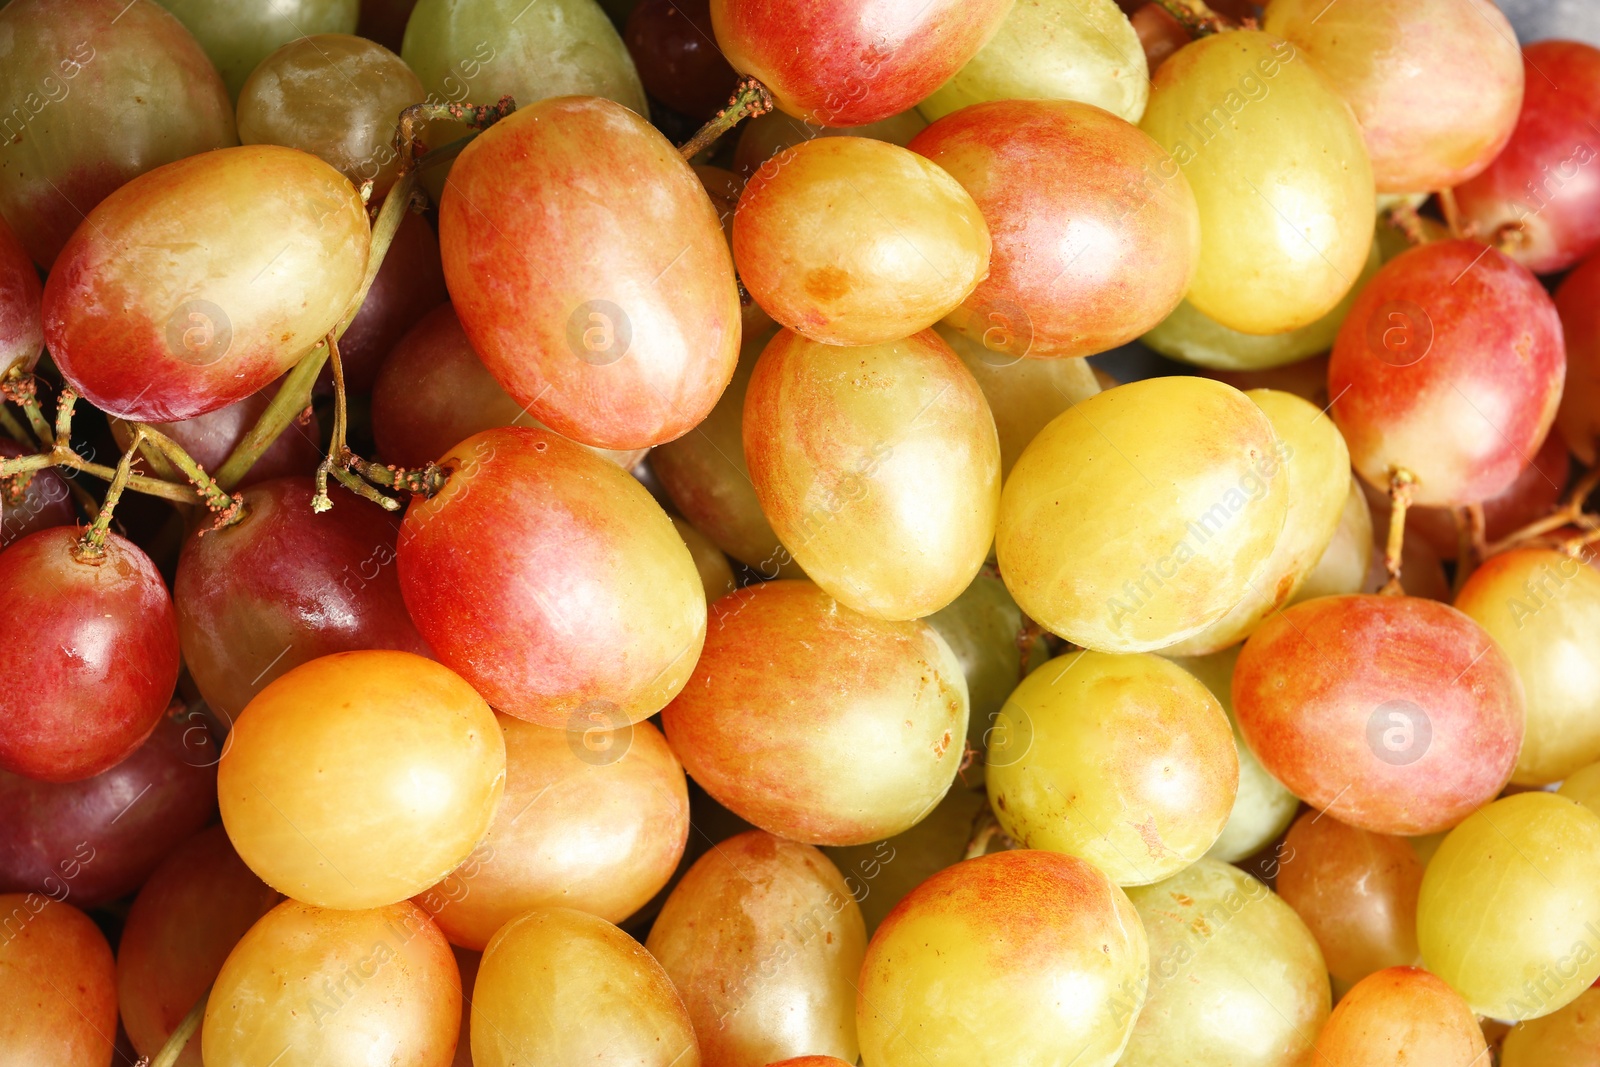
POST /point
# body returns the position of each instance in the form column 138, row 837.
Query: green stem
column 1196, row 17
column 212, row 495
column 423, row 481
column 92, row 545
column 341, row 423
column 13, row 429
column 750, row 98
column 477, row 116
column 22, row 389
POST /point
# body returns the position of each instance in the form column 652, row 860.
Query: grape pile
column 799, row 533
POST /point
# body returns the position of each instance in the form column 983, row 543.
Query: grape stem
column 1570, row 513
column 13, row 429
column 478, row 116
column 22, row 389
column 1196, row 17
column 1400, row 483
column 92, row 545
column 1451, row 212
column 180, row 1037
column 985, row 828
column 226, row 506
column 1406, row 219
column 750, row 99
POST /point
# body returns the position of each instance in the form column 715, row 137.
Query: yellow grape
column 1281, row 174
column 853, row 241
column 878, row 466
column 1543, row 607
column 361, row 778
column 1125, row 761
column 1083, row 50
column 314, row 987
column 1343, row 565
column 763, row 940
column 1569, row 1037
column 1236, row 979
column 716, row 573
column 1023, row 394
column 1318, row 467
column 1584, row 786
column 561, row 988
column 1263, row 808
column 1014, row 958
column 1141, row 515
column 48, row 948
column 1509, row 912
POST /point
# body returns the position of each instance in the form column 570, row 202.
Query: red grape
column 679, row 63
column 21, row 328
column 1578, row 301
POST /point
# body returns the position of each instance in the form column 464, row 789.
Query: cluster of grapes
column 641, row 597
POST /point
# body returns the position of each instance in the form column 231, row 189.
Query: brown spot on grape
column 828, row 283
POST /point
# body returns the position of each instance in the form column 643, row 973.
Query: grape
column 314, row 986
column 557, row 986
column 597, row 607
column 1356, row 890
column 763, row 940
column 1543, row 608
column 50, row 948
column 1449, row 366
column 1396, row 714
column 766, row 136
column 795, row 693
column 1570, row 1037
column 1124, row 540
column 335, row 96
column 812, row 1061
column 211, row 438
column 1235, row 977
column 1402, row 1015
column 705, row 474
column 974, row 967
column 1262, row 808
column 433, row 392
column 238, row 37
column 1541, row 194
column 44, row 502
column 409, row 284
column 91, row 655
column 1190, row 336
column 384, row 21
column 361, row 778
column 190, row 914
column 97, row 839
column 21, row 328
column 1534, row 493
column 853, row 241
column 672, row 45
column 197, row 284
column 1578, row 303
column 878, row 467
column 1023, row 394
column 1434, row 118
column 594, row 818
column 716, row 574
column 628, row 340
column 1318, row 465
column 283, row 586
column 1054, row 50
column 850, row 63
column 1091, row 248
column 1125, row 761
column 150, row 97
column 1277, row 163
column 1532, row 862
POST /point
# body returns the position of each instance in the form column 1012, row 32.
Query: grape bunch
column 799, row 533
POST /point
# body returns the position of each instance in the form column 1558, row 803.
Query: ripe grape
column 796, row 692
column 627, row 338
column 91, row 651
column 1122, row 539
column 716, row 574
column 972, row 965
column 21, row 328
column 238, row 38
column 361, row 778
column 878, row 467
column 594, row 817
column 764, row 941
column 409, row 285
column 1450, row 366
column 552, row 581
column 271, row 244
column 1094, row 242
column 1125, row 761
column 180, row 929
column 1396, row 714
column 1402, row 1015
column 765, row 136
column 313, row 986
column 1235, row 977
column 1578, row 302
column 812, row 1061
column 1343, row 566
column 58, row 984
column 1277, row 163
column 44, row 502
column 1054, row 50
column 1532, row 862
column 677, row 57
column 559, row 986
column 1570, row 1037
column 1534, row 494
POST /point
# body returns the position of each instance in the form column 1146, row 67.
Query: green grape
column 1191, row 336
column 1282, row 177
column 237, row 36
column 1318, row 465
column 335, row 96
column 1236, row 979
column 1083, row 50
column 1263, row 808
column 1509, row 912
column 1343, row 566
column 1140, row 516
column 1569, row 1037
column 1023, row 394
column 1125, row 761
column 1017, row 958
